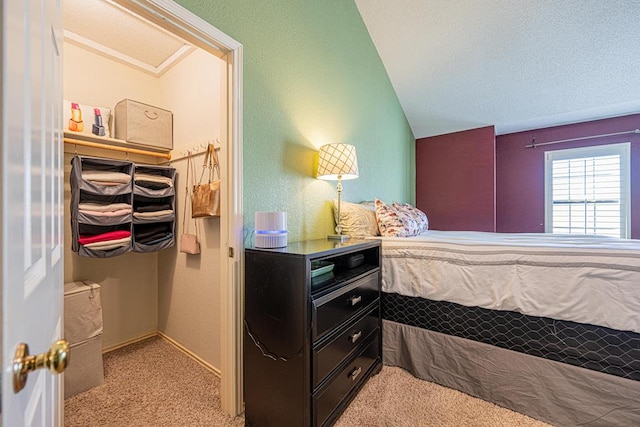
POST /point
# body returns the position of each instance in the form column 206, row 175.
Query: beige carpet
column 151, row 383
column 396, row 398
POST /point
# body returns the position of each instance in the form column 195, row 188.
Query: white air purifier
column 271, row 229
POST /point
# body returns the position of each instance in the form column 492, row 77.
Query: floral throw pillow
column 415, row 213
column 393, row 222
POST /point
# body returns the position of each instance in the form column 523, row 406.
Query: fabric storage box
column 83, row 328
column 143, row 124
column 85, row 369
column 82, row 311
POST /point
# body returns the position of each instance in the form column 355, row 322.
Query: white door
column 32, row 267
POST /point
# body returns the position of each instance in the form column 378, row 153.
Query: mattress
column 582, row 279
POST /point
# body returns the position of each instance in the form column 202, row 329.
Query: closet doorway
column 113, row 50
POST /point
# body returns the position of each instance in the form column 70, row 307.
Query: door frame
column 175, row 18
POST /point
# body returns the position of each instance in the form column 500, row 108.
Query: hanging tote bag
column 189, row 243
column 205, row 201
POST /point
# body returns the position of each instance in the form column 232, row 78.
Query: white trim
column 166, row 13
column 231, row 296
column 621, row 149
column 120, row 57
column 194, row 29
column 103, row 50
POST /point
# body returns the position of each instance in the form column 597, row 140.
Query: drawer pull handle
column 355, row 300
column 354, row 374
column 355, row 336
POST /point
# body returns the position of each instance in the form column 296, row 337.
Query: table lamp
column 338, row 162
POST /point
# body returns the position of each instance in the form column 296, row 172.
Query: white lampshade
column 337, row 161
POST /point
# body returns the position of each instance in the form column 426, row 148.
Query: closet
column 110, row 55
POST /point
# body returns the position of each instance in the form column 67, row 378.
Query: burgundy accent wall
column 520, row 170
column 455, row 180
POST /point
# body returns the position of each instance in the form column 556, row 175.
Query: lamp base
column 338, row 237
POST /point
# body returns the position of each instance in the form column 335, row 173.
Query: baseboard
column 192, row 355
column 129, row 342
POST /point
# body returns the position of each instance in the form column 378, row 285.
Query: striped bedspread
column 593, row 280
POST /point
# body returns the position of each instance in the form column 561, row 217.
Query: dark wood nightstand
column 311, row 340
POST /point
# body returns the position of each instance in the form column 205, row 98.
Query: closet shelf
column 114, row 144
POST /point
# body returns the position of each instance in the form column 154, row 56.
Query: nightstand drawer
column 329, row 398
column 329, row 356
column 333, row 309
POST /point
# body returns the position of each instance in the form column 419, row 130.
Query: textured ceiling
column 515, row 64
column 113, row 31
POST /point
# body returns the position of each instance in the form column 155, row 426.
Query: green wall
column 312, row 76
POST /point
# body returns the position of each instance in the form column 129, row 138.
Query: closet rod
column 534, row 145
column 116, row 148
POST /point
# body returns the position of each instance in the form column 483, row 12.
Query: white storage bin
column 82, row 311
column 143, row 124
column 85, row 369
column 83, row 331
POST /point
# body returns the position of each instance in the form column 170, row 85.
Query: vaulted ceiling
column 454, row 64
column 515, row 64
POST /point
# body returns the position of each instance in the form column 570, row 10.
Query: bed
column 546, row 325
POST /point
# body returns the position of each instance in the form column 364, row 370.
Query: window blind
column 587, row 190
column 586, row 196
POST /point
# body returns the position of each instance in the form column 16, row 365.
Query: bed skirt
column 547, row 390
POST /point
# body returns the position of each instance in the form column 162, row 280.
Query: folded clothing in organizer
column 151, row 181
column 145, row 230
column 152, row 240
column 152, row 185
column 109, row 244
column 112, row 207
column 153, row 214
column 104, row 237
column 120, row 212
column 153, row 207
column 108, row 183
column 106, row 177
column 150, row 233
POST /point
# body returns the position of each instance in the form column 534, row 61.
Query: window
column 587, row 190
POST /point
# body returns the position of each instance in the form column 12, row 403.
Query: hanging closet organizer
column 112, row 214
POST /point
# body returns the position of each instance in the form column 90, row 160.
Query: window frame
column 622, row 149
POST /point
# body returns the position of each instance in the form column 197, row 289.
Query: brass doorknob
column 56, row 360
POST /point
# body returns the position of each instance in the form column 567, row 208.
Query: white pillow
column 358, row 220
column 81, row 118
